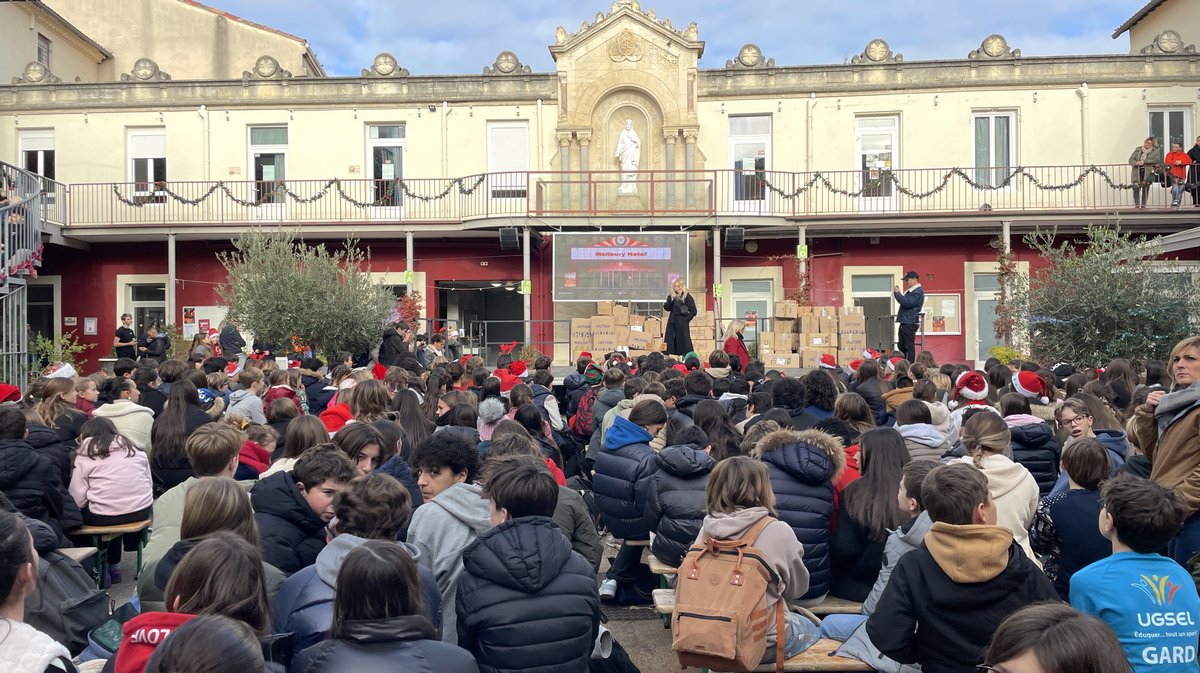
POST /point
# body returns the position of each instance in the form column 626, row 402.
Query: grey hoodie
column 859, row 645
column 247, row 405
column 778, row 544
column 924, row 441
column 440, row 530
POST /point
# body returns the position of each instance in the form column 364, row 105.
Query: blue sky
column 462, row 36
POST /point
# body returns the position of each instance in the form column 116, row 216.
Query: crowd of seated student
column 359, row 515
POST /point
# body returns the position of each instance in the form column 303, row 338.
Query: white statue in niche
column 629, row 154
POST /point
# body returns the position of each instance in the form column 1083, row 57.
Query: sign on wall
column 631, row 266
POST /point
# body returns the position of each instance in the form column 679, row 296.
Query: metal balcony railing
column 20, row 255
column 779, row 194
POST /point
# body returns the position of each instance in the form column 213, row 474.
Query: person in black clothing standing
column 909, row 315
column 1193, row 178
column 681, row 308
column 125, row 341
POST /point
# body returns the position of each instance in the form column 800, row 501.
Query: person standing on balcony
column 125, row 341
column 629, row 154
column 681, row 308
column 1194, row 174
column 909, row 315
column 1147, row 162
column 1178, row 163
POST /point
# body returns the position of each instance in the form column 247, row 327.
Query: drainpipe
column 1085, row 149
column 716, row 279
column 445, row 139
column 171, row 279
column 540, row 163
column 808, row 131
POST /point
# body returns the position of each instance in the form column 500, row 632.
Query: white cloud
column 462, row 36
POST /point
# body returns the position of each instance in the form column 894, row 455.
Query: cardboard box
column 822, row 340
column 850, row 310
column 847, row 355
column 767, row 340
column 620, row 313
column 852, row 341
column 786, row 309
column 802, row 311
column 639, row 340
column 622, row 335
column 636, row 320
column 825, row 311
column 827, row 324
column 604, row 308
column 581, row 336
column 604, row 334
column 808, row 324
column 852, row 323
column 784, row 325
column 784, row 342
column 653, row 327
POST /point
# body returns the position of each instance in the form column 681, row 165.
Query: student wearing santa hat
column 970, row 390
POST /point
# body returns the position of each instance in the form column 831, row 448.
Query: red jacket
column 1184, row 160
column 735, row 346
column 141, row 635
column 850, row 474
column 277, row 392
column 559, row 477
column 254, row 456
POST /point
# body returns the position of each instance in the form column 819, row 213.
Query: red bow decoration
column 507, row 349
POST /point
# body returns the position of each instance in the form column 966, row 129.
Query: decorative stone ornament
column 145, row 70
column 749, row 56
column 385, row 65
column 994, row 46
column 266, row 67
column 36, row 72
column 690, row 32
column 626, row 47
column 1168, row 42
column 506, row 63
column 877, row 51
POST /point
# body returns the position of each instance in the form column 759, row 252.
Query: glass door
column 268, row 163
column 148, row 304
column 749, row 152
column 877, row 141
column 987, row 290
column 385, row 147
column 873, row 292
column 1170, row 126
column 752, row 303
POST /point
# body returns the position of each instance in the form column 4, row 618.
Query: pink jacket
column 118, row 484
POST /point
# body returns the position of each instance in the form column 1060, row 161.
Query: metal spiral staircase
column 21, row 225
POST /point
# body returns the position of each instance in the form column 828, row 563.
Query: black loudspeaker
column 510, row 238
column 735, row 238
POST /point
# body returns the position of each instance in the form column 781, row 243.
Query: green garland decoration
column 463, row 185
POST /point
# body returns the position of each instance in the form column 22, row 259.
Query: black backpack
column 66, row 604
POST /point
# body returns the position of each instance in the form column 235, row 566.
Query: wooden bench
column 664, row 604
column 78, row 554
column 102, row 535
column 658, row 567
column 820, row 657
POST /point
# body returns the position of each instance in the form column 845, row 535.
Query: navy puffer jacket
column 292, row 534
column 526, row 601
column 622, row 480
column 675, row 503
column 803, row 465
column 1035, row 446
column 31, row 483
column 407, row 643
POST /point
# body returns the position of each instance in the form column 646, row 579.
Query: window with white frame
column 750, row 150
column 508, row 159
column 385, row 156
column 1170, row 125
column 268, row 159
column 147, row 162
column 37, row 151
column 43, row 53
column 995, row 146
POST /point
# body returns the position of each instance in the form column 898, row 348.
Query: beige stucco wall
column 19, row 29
column 1181, row 16
column 186, row 41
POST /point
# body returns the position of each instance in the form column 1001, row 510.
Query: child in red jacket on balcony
column 1177, row 165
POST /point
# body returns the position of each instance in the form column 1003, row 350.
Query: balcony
column 753, row 197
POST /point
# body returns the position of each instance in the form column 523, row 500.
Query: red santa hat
column 871, row 354
column 295, row 364
column 379, row 371
column 972, row 387
column 233, row 369
column 9, row 393
column 855, row 364
column 891, row 364
column 517, row 368
column 828, row 361
column 585, row 354
column 1031, row 385
column 213, row 333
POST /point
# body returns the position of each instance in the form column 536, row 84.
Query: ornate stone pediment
column 507, row 63
column 1168, row 42
column 145, row 70
column 385, row 65
column 877, row 51
column 36, row 72
column 687, row 37
column 994, row 46
column 749, row 57
column 266, row 67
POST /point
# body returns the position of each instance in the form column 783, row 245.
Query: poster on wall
column 632, row 266
column 197, row 319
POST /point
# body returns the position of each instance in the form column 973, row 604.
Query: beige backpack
column 721, row 617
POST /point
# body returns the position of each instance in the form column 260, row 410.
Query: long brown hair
column 985, row 434
column 303, row 433
column 377, row 581
column 52, row 405
column 854, row 410
column 871, row 500
column 223, row 575
column 739, row 482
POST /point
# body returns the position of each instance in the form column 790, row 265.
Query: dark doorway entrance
column 489, row 313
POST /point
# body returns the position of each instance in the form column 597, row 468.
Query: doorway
column 489, row 313
column 871, row 287
column 878, row 148
column 987, row 297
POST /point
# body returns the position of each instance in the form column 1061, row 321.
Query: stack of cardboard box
column 615, row 327
column 802, row 334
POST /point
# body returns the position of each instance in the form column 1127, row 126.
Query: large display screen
column 628, row 267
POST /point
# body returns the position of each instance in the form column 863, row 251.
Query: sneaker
column 608, row 590
column 114, row 574
column 1174, row 204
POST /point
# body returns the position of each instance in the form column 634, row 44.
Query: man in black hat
column 909, row 315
